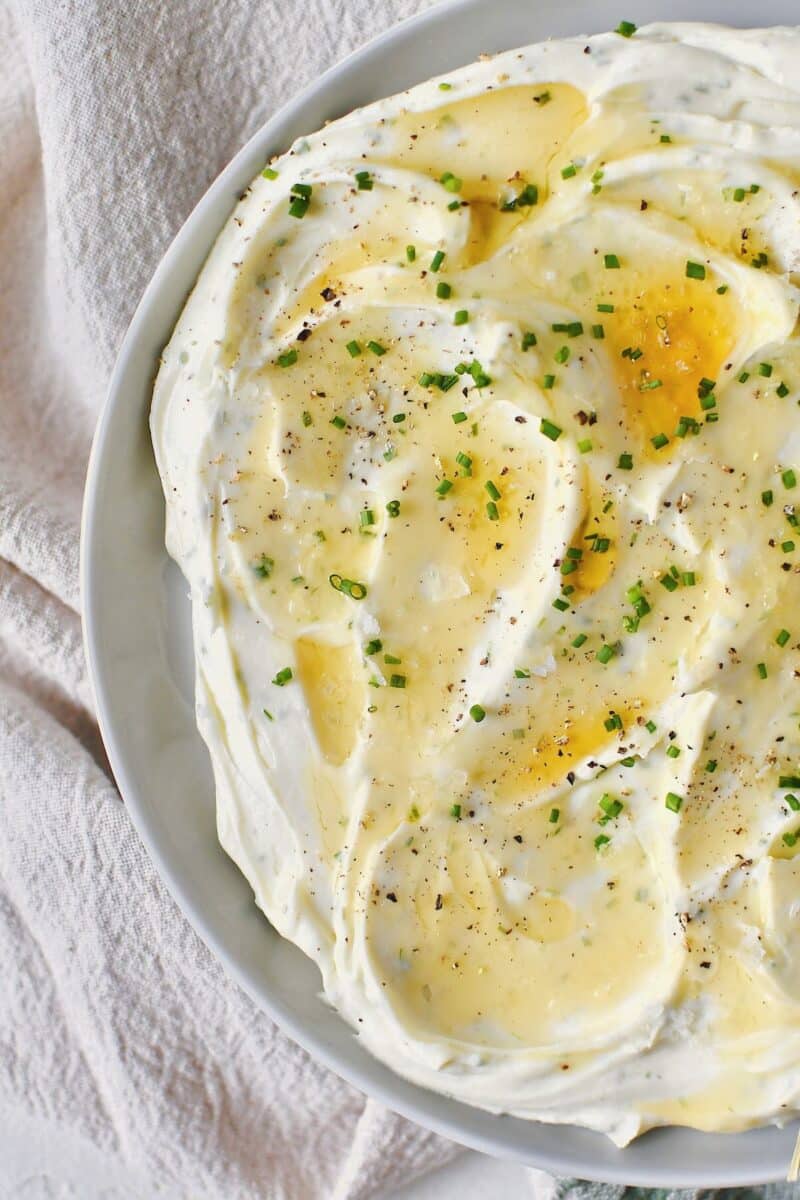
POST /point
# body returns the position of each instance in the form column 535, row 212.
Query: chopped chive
column 445, row 382
column 288, row 359
column 551, row 431
column 649, row 385
column 707, row 402
column 738, row 194
column 578, row 640
column 669, row 582
column 600, row 841
column 339, row 422
column 398, row 418
column 373, row 647
column 782, row 390
column 461, row 317
column 611, row 262
column 270, row 173
column 353, row 348
column 711, row 766
column 673, row 752
column 695, row 270
column 528, row 340
column 298, row 207
column 393, row 508
column 792, row 801
column 767, row 498
column 789, row 781
column 411, row 253
column 665, row 138
column 561, row 605
column 613, row 722
column 605, row 653
column 626, row 29
column 426, row 379
column 585, row 445
column 765, row 369
column 722, row 289
column 492, row 511
column 477, row 713
column 569, row 172
column 364, row 181
column 397, row 681
column 459, row 417
column 783, row 637
column 605, row 308
column 659, row 441
column 455, row 811
column 283, row 677
column 443, row 290
column 625, row 462
column 465, row 462
column 376, row 348
column 789, row 478
column 789, row 838
column 366, row 517
column 548, row 382
column 743, row 378
column 555, row 813
column 522, row 673
column 762, row 670
column 451, row 182
column 492, row 490
column 437, row 260
column 650, row 726
column 445, row 87
column 562, row 354
column 348, row 587
column 673, row 802
column 392, row 660
column 610, row 805
column 444, row 487
column 598, row 331
column 264, row 567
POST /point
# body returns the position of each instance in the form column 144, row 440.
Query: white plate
column 137, row 624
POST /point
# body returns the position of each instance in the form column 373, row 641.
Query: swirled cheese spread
column 480, row 440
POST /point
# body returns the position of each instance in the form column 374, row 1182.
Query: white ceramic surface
column 137, row 623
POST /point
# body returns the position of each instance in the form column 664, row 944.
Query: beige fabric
column 119, row 1033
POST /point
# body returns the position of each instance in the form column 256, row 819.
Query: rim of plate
column 410, row 52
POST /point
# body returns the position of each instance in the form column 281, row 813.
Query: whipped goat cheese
column 480, row 441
